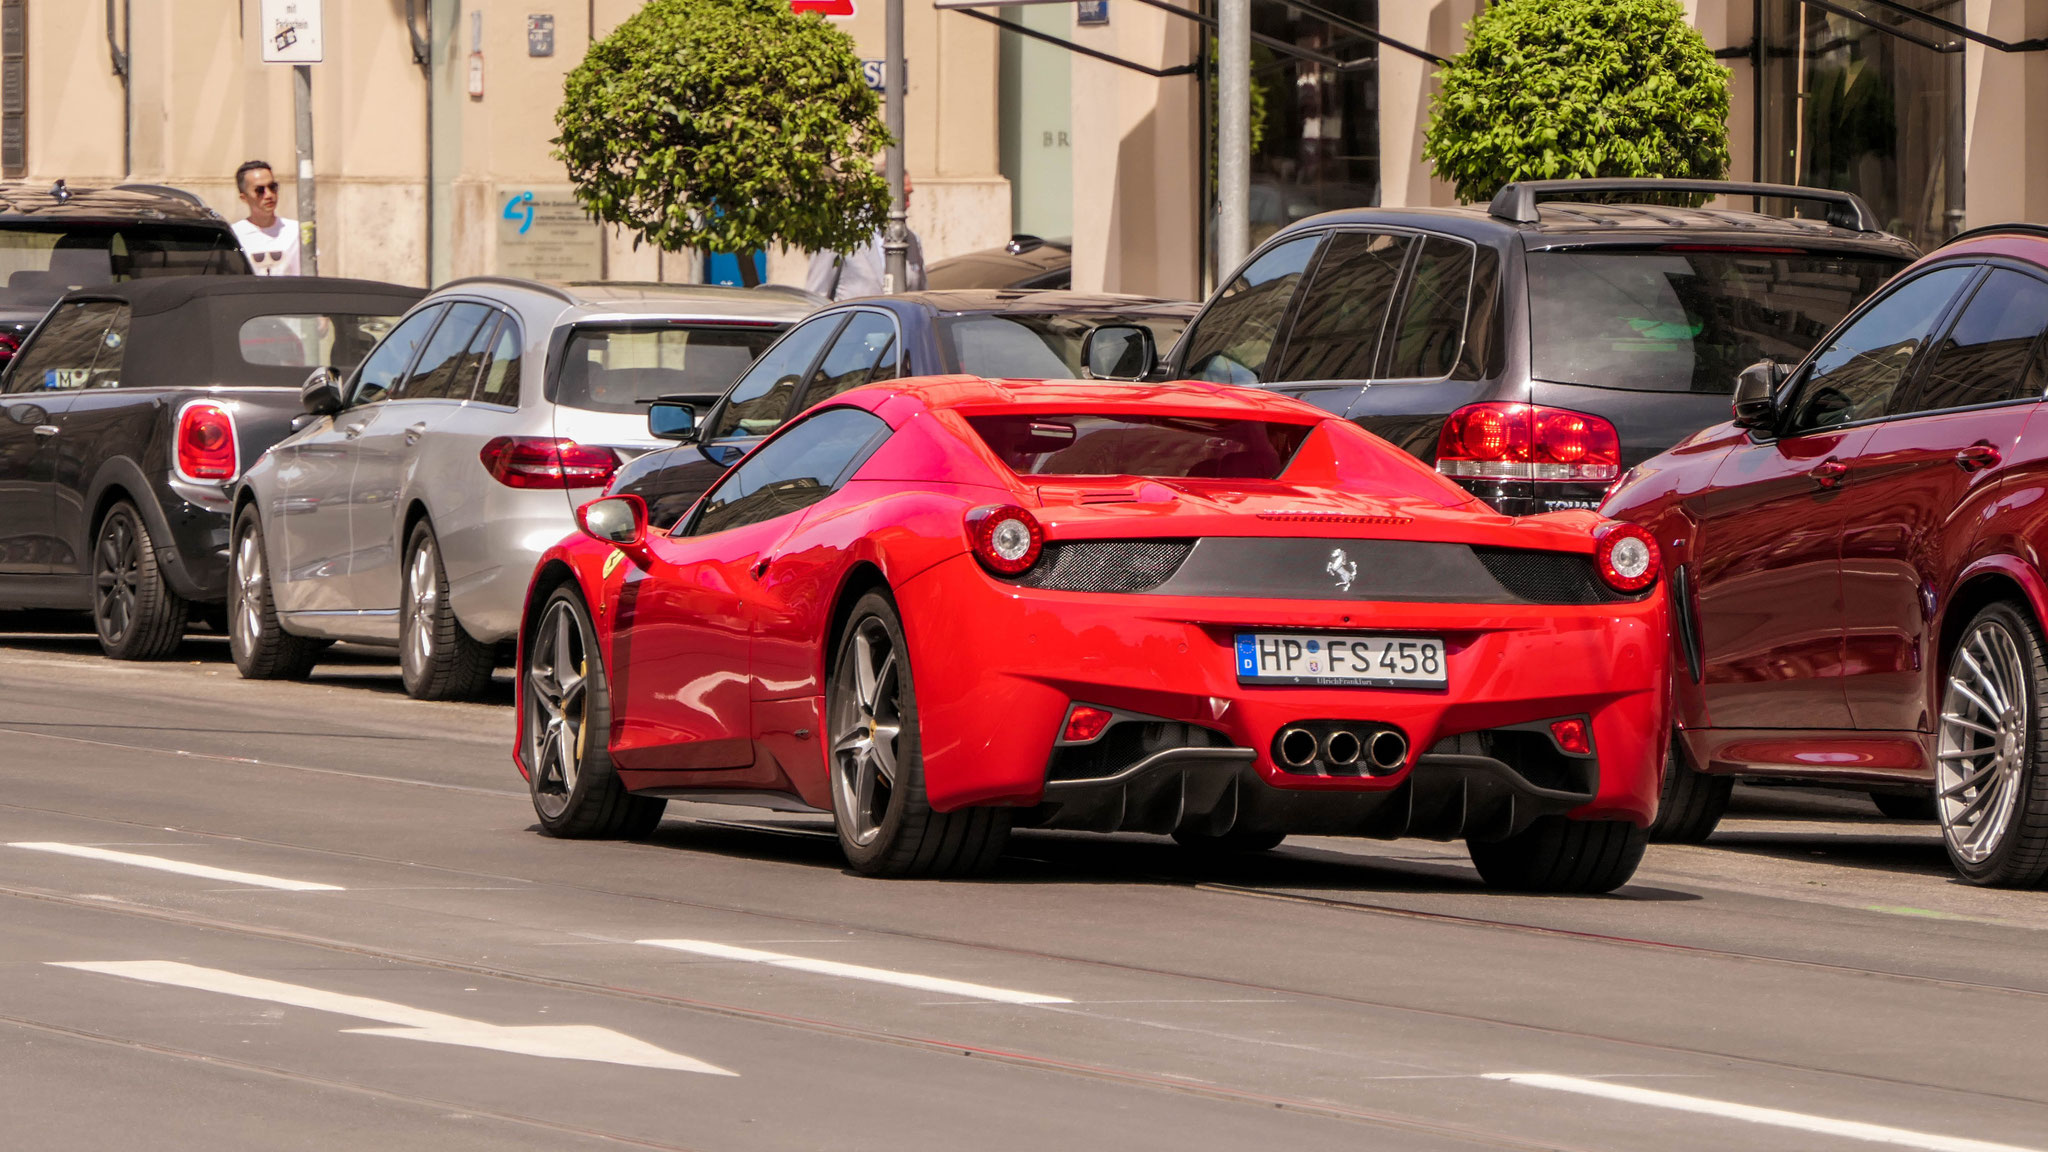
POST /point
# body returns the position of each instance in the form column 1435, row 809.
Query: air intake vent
column 1547, row 577
column 1106, row 565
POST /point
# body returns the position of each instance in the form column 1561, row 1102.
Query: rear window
column 1038, row 346
column 1685, row 320
column 1169, row 447
column 42, row 262
column 620, row 369
column 312, row 339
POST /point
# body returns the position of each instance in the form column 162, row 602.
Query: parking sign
column 291, row 31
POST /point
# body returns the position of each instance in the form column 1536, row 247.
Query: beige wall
column 2006, row 170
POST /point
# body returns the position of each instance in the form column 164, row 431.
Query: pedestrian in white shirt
column 844, row 275
column 272, row 241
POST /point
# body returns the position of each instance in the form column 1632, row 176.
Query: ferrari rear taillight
column 1499, row 441
column 1006, row 538
column 206, row 443
column 1626, row 555
column 547, row 462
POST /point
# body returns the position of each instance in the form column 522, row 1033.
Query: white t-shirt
column 273, row 251
column 860, row 273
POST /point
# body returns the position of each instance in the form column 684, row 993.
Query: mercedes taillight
column 547, row 462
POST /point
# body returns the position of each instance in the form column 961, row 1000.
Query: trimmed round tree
column 1555, row 89
column 726, row 125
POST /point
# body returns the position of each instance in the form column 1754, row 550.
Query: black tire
column 437, row 659
column 1554, row 854
column 1918, row 807
column 889, row 828
column 261, row 648
column 135, row 612
column 564, row 723
column 1691, row 804
column 1235, row 841
column 1991, row 743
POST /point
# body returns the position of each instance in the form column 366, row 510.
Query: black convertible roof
column 152, row 295
column 134, row 203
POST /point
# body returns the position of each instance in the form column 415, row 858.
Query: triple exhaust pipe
column 1340, row 748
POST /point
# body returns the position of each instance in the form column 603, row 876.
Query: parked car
column 130, row 411
column 54, row 239
column 989, row 334
column 1025, row 262
column 939, row 608
column 411, row 509
column 1857, row 564
column 1531, row 350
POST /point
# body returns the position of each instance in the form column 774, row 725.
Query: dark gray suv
column 1533, row 351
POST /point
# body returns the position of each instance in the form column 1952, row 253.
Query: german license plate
column 1358, row 661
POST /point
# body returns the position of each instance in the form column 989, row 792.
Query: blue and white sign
column 1091, row 13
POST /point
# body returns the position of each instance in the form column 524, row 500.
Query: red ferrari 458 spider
column 943, row 608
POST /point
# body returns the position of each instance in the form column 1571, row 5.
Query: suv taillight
column 206, row 443
column 1499, row 441
column 546, row 462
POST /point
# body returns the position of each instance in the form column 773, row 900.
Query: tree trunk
column 749, row 275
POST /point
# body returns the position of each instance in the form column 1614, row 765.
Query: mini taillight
column 1626, row 555
column 546, row 462
column 1499, row 441
column 1006, row 538
column 9, row 345
column 206, row 443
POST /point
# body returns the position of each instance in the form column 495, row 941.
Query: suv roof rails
column 1517, row 201
column 2040, row 230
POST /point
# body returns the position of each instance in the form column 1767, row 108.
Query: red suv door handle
column 1978, row 457
column 1829, row 472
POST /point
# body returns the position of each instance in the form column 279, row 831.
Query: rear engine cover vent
column 1106, row 565
column 1547, row 577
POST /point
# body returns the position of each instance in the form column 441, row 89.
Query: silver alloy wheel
column 1986, row 737
column 246, row 618
column 866, row 724
column 423, row 597
column 117, row 575
column 557, row 697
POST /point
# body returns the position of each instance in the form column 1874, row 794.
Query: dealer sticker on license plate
column 1360, row 661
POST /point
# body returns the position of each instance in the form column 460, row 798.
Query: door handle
column 412, row 434
column 1978, row 457
column 1829, row 472
column 47, row 429
column 352, row 431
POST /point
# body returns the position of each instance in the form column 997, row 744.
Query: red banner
column 824, row 7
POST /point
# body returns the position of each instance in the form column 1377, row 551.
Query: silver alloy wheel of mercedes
column 245, row 620
column 1986, row 737
column 423, row 598
column 866, row 723
column 557, row 697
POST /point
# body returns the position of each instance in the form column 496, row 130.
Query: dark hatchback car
column 54, row 239
column 1533, row 350
column 127, row 414
column 1023, row 263
column 996, row 335
column 1856, row 564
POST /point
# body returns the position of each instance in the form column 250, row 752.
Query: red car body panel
column 717, row 646
column 1821, row 611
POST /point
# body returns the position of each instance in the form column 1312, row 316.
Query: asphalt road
column 280, row 916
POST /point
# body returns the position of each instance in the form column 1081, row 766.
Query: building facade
column 432, row 119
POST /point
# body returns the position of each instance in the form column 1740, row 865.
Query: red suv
column 1857, row 561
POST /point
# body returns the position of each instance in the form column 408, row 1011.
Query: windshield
column 1169, row 447
column 620, row 369
column 41, row 262
column 1685, row 319
column 1038, row 345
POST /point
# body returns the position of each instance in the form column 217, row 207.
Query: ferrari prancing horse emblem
column 1342, row 567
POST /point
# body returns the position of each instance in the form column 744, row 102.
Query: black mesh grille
column 1106, row 565
column 1547, row 577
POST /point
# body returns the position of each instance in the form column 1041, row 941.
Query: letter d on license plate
column 1355, row 661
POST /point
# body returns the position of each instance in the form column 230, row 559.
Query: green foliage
column 1555, row 89
column 726, row 125
column 1262, row 59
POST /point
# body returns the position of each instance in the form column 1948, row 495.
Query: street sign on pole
column 291, row 32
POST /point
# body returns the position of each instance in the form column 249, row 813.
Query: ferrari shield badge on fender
column 1342, row 567
column 612, row 562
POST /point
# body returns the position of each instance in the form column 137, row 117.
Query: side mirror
column 617, row 520
column 1756, row 394
column 320, row 395
column 671, row 420
column 1118, row 352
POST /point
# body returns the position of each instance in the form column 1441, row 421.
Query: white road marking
column 858, row 972
column 555, row 1041
column 1849, row 1129
column 179, row 866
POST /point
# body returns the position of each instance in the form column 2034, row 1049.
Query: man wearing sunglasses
column 272, row 241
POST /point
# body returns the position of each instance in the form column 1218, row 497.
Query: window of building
column 13, row 89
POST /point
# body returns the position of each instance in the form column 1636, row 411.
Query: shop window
column 13, row 89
